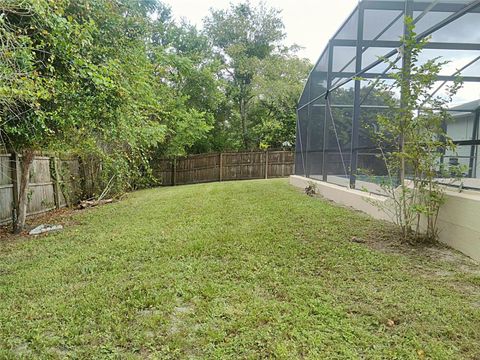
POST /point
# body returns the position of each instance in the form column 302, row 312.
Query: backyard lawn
column 233, row 270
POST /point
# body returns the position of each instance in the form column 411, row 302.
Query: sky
column 308, row 23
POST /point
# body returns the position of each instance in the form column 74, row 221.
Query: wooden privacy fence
column 59, row 182
column 54, row 183
column 212, row 167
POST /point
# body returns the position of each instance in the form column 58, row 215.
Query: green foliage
column 276, row 84
column 263, row 78
column 412, row 137
column 82, row 76
column 123, row 82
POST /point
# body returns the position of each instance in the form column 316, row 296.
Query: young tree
column 412, row 137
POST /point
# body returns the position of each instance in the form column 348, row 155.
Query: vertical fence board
column 56, row 181
column 6, row 201
column 6, row 189
column 5, row 170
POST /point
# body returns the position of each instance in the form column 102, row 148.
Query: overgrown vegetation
column 412, row 137
column 118, row 82
column 233, row 270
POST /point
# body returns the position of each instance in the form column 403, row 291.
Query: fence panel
column 41, row 196
column 74, row 179
column 70, row 181
column 162, row 170
column 242, row 166
column 41, row 189
column 202, row 168
column 6, row 188
column 280, row 163
column 197, row 169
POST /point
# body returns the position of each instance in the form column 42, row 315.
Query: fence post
column 174, row 172
column 220, row 175
column 15, row 160
column 56, row 181
column 266, row 164
column 82, row 179
column 283, row 164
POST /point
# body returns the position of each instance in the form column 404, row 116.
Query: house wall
column 461, row 128
column 457, row 223
column 477, row 168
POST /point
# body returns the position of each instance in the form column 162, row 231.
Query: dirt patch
column 60, row 216
column 433, row 261
column 64, row 216
column 388, row 240
column 148, row 312
column 178, row 320
column 22, row 350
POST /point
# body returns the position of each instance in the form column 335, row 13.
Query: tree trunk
column 406, row 220
column 243, row 118
column 26, row 164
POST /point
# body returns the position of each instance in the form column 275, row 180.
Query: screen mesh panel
column 340, row 105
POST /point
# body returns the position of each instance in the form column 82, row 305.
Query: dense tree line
column 123, row 82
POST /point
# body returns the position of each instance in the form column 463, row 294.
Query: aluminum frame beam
column 343, row 75
column 356, row 101
column 417, row 6
column 395, row 44
column 327, row 115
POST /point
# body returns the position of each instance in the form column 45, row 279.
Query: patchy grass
column 233, row 270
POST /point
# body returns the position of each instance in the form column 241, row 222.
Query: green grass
column 231, row 270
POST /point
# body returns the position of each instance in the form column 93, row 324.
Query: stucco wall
column 458, row 222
